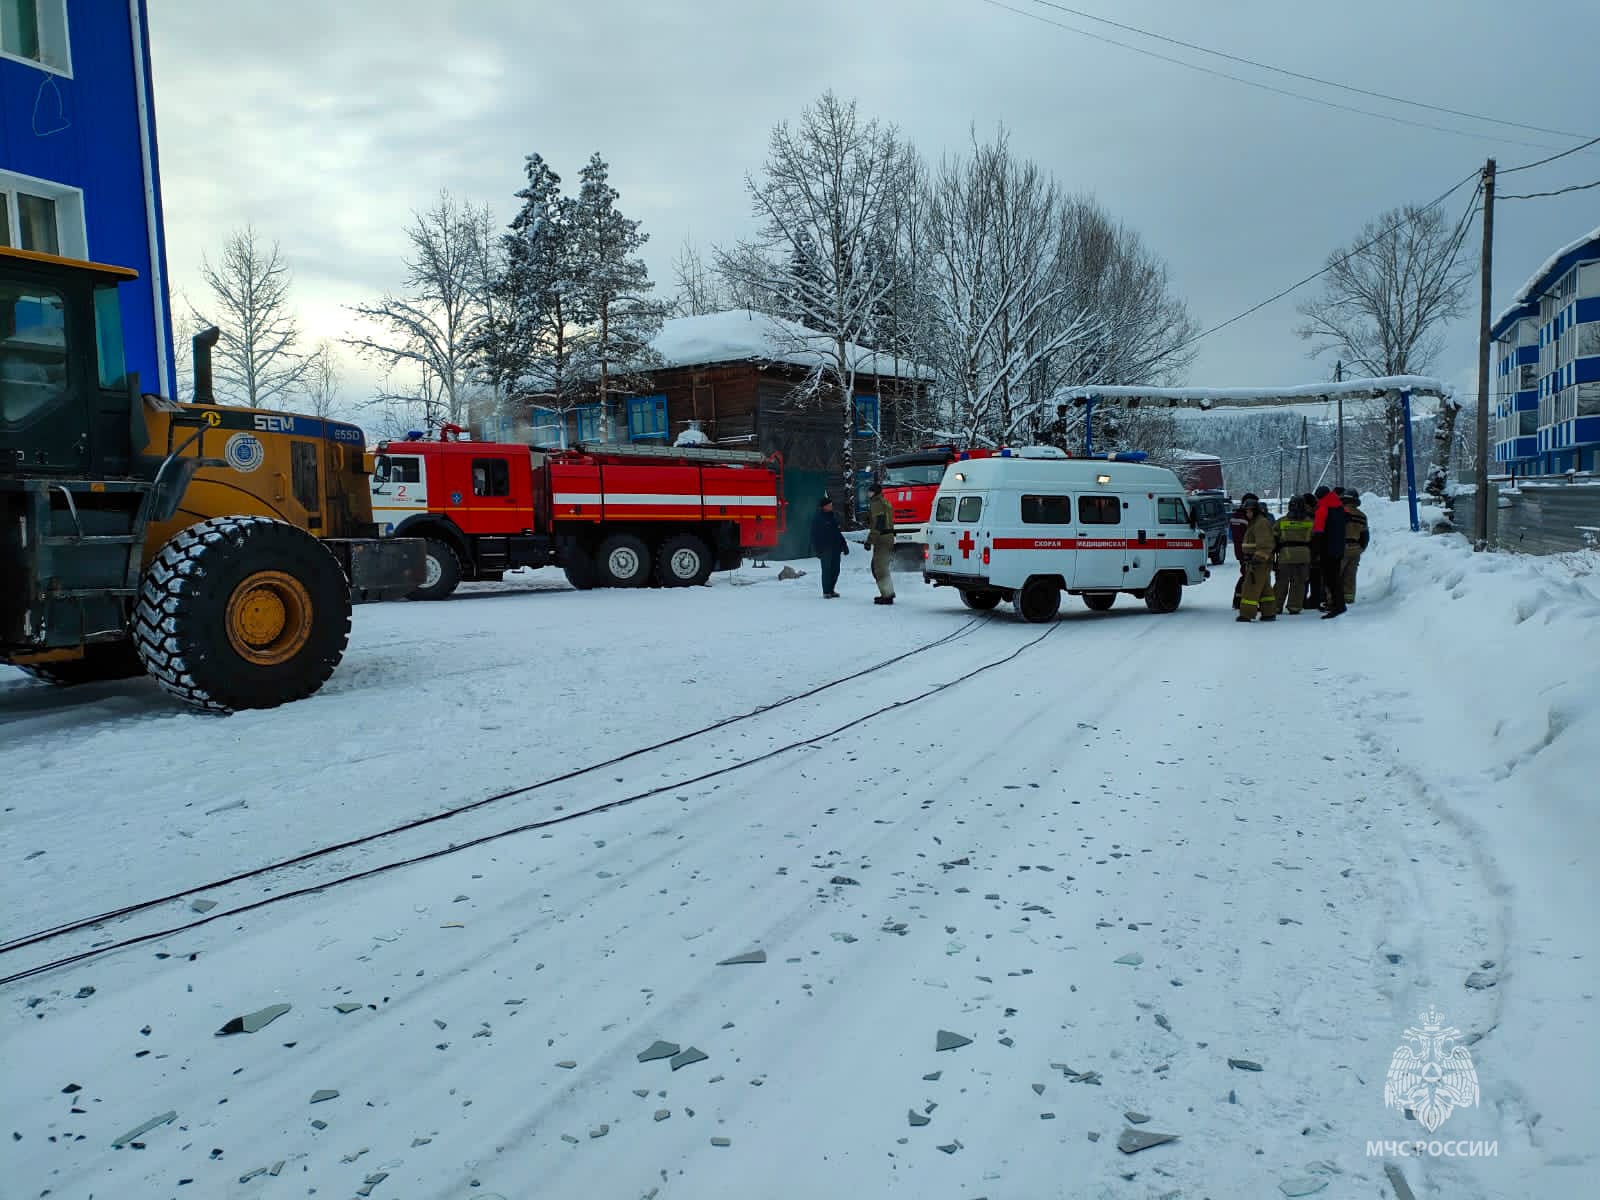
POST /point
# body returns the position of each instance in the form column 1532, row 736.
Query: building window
column 588, row 419
column 42, row 216
column 546, row 427
column 1588, row 339
column 1589, row 280
column 36, row 31
column 1589, row 400
column 1527, row 422
column 647, row 418
column 867, row 415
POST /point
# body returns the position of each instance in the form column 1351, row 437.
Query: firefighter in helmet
column 1356, row 539
column 1257, row 548
column 1294, row 556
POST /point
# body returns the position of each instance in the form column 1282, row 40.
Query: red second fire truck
column 610, row 516
column 910, row 482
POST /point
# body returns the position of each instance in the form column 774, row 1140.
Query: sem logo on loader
column 273, row 423
column 243, row 452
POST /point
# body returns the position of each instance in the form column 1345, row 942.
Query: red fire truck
column 910, row 482
column 609, row 516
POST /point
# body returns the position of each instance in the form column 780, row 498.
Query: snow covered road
column 1141, row 848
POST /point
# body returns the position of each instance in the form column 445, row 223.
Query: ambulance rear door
column 957, row 534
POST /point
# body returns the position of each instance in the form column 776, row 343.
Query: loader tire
column 443, row 572
column 242, row 612
column 101, row 661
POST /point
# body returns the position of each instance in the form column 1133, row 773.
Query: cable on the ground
column 1333, row 83
column 311, row 855
column 546, row 823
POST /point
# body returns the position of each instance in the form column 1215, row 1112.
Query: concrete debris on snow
column 251, row 1022
column 950, row 1041
column 750, row 957
column 658, row 1050
column 686, row 1057
column 1134, row 1140
column 321, row 1094
column 139, row 1131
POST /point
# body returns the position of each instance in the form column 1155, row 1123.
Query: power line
column 1266, row 87
column 1250, row 62
column 1551, row 159
column 1476, row 174
column 1577, row 187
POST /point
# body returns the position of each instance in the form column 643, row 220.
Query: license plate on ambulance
column 939, row 560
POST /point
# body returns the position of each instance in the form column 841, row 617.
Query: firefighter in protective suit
column 1294, row 556
column 1356, row 539
column 1257, row 548
column 880, row 540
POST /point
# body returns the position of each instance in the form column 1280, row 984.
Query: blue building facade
column 79, row 171
column 1547, row 393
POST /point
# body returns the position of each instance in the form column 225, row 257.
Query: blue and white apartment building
column 1547, row 393
column 79, row 172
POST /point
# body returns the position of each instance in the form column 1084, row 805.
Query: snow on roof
column 1194, row 456
column 741, row 335
column 1540, row 279
column 1264, row 396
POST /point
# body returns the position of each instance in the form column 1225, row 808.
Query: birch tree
column 425, row 337
column 699, row 291
column 1383, row 308
column 823, row 202
column 254, row 362
column 320, row 383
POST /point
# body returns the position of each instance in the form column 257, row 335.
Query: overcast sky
column 326, row 124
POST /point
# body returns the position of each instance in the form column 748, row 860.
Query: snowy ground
column 1295, row 837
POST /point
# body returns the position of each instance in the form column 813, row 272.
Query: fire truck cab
column 910, row 482
column 1030, row 524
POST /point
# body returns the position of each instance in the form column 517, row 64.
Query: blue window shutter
column 647, row 418
column 867, row 415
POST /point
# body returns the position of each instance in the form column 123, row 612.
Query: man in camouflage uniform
column 1257, row 547
column 880, row 540
column 1294, row 556
column 1356, row 539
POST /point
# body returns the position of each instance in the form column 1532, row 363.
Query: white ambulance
column 1027, row 525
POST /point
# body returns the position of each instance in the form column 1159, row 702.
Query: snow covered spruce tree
column 527, row 348
column 611, row 285
column 823, row 203
column 425, row 337
column 1383, row 309
column 255, row 359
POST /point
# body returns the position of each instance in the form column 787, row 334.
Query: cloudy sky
column 325, row 124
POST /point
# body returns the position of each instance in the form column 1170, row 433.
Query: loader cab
column 66, row 400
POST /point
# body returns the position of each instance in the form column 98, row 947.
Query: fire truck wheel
column 1099, row 601
column 1039, row 601
column 1164, row 594
column 683, row 561
column 979, row 600
column 443, row 572
column 578, row 566
column 623, row 561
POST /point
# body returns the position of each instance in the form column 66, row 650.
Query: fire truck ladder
column 688, row 453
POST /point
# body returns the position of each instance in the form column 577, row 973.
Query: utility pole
column 1481, row 474
column 1280, row 476
column 1338, row 377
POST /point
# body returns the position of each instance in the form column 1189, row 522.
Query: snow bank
column 745, row 336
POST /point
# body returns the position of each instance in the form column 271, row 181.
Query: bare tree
column 1384, row 306
column 255, row 363
column 699, row 290
column 425, row 338
column 320, row 384
column 824, row 198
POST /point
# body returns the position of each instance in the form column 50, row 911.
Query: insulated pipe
column 203, row 341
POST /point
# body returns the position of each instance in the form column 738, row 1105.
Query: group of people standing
column 1315, row 549
column 828, row 543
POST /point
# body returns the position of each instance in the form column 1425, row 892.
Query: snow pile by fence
column 1509, row 646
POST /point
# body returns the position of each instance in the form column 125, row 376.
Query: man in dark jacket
column 827, row 543
column 1331, row 520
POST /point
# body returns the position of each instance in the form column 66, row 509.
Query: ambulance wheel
column 1099, row 601
column 1216, row 556
column 1164, row 594
column 242, row 612
column 623, row 561
column 683, row 561
column 442, row 572
column 979, row 600
column 1039, row 601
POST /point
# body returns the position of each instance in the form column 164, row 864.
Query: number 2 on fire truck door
column 1104, row 534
